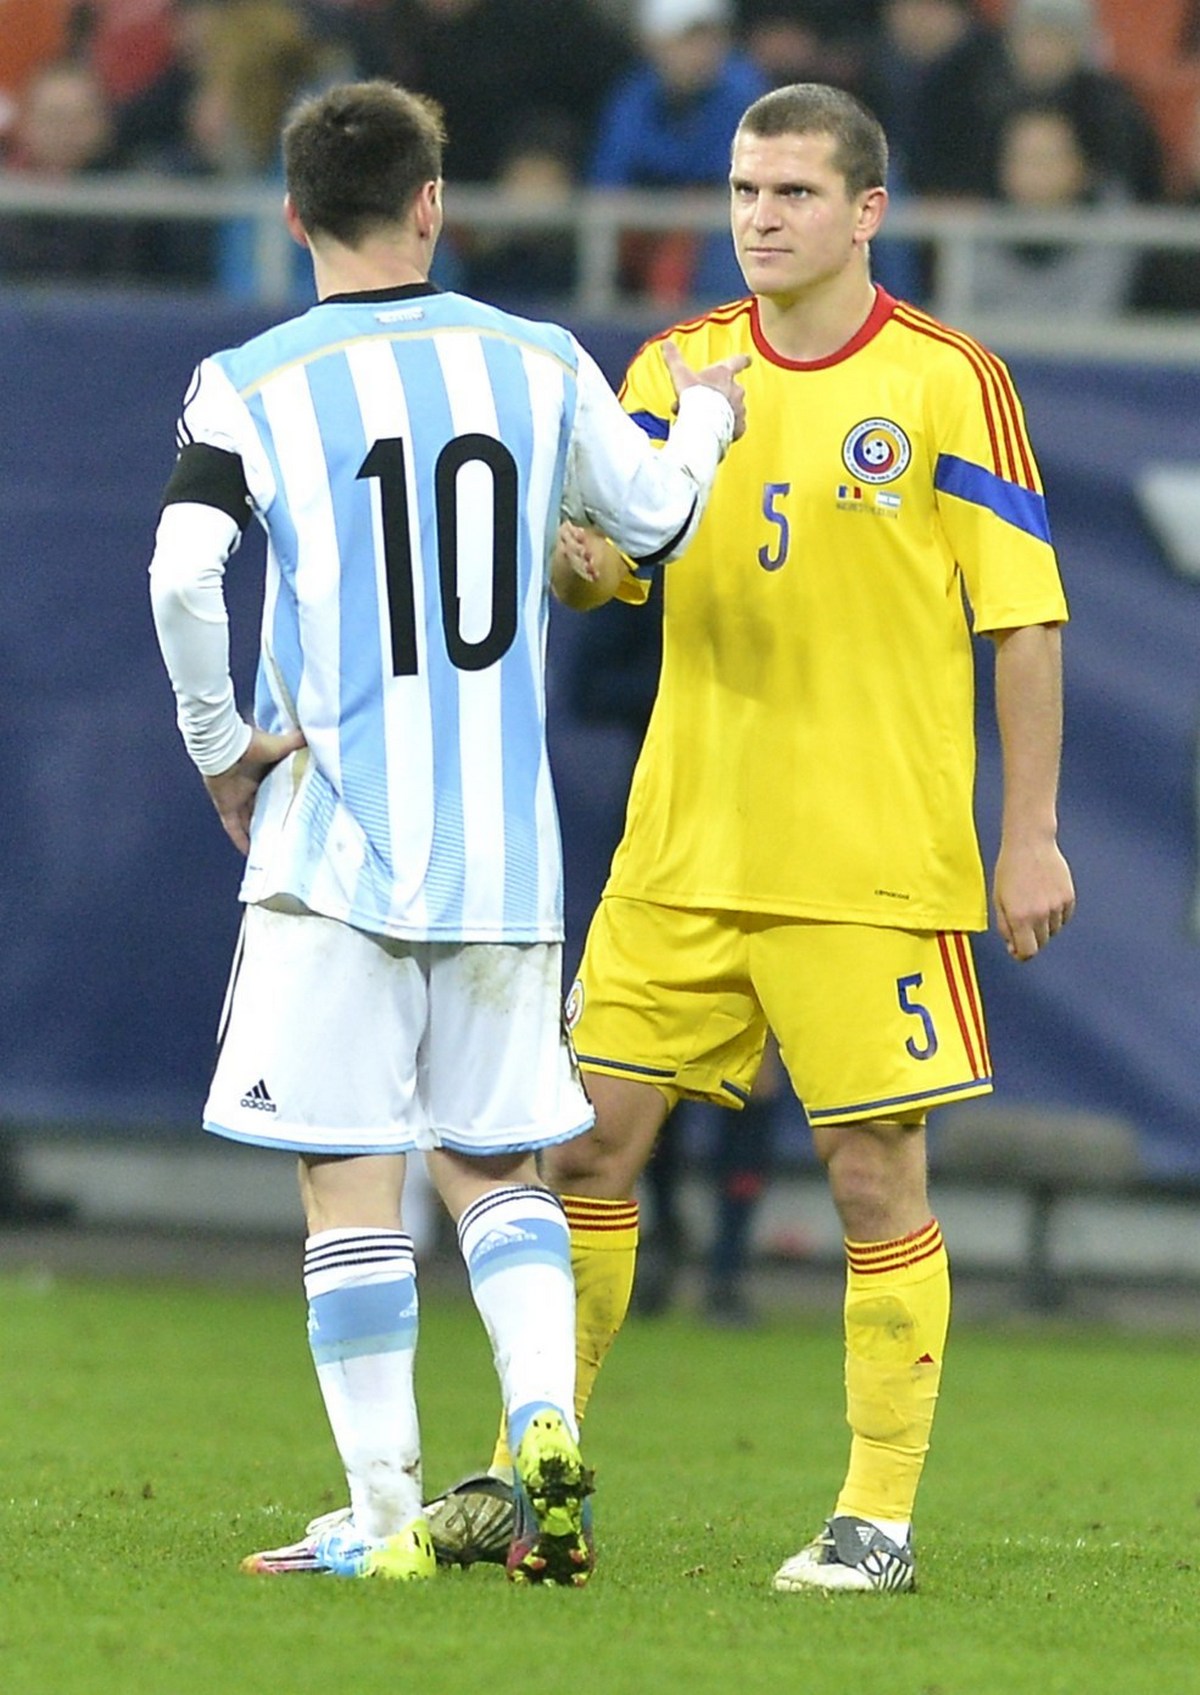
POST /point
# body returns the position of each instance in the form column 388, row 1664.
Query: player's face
column 794, row 225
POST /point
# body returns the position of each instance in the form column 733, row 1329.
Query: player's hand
column 1034, row 896
column 722, row 376
column 233, row 792
column 585, row 568
column 576, row 549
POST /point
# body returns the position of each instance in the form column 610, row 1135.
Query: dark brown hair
column 814, row 108
column 356, row 156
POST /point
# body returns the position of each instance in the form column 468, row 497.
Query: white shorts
column 337, row 1042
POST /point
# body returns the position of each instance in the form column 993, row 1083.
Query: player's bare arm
column 1032, row 888
column 586, row 569
column 234, row 791
column 722, row 376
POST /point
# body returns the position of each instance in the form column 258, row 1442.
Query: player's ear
column 291, row 218
column 872, row 205
column 427, row 209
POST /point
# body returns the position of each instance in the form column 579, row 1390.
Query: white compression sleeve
column 648, row 500
column 700, row 434
column 187, row 594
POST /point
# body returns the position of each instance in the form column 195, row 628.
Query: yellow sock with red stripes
column 897, row 1314
column 604, row 1238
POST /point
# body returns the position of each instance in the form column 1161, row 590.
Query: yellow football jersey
column 811, row 750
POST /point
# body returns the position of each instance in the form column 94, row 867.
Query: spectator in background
column 668, row 125
column 1052, row 51
column 250, row 60
column 477, row 58
column 926, row 76
column 783, row 40
column 927, row 81
column 809, row 40
column 129, row 43
column 256, row 57
column 64, row 131
column 1169, row 278
column 343, row 24
column 154, row 125
column 33, row 33
column 125, row 42
column 527, row 265
column 1043, row 166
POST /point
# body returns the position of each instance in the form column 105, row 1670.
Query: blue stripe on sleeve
column 1020, row 507
column 658, row 429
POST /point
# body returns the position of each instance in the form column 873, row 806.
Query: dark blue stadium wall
column 117, row 888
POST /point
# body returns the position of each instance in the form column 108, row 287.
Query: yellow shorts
column 871, row 1022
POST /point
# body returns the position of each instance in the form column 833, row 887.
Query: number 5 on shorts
column 905, row 987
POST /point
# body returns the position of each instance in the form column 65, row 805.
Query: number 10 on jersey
column 385, row 463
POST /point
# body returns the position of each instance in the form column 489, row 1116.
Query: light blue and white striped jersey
column 408, row 454
column 406, row 457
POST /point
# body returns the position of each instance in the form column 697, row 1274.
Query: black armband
column 665, row 552
column 210, row 476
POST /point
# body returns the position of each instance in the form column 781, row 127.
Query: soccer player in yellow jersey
column 800, row 851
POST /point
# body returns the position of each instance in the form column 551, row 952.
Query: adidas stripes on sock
column 897, row 1315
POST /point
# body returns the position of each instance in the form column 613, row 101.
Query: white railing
column 599, row 218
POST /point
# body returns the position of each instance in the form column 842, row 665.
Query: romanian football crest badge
column 876, row 451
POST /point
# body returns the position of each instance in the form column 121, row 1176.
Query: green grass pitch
column 150, row 1435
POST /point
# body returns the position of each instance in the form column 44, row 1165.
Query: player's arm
column 1032, row 888
column 648, row 500
column 993, row 510
column 205, row 510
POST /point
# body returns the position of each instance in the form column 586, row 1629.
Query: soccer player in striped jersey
column 398, row 980
column 799, row 850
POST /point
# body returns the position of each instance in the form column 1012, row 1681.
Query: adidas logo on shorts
column 258, row 1099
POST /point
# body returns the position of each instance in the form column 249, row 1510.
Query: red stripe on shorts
column 973, row 1001
column 964, row 1028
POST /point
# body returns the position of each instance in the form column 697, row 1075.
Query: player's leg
column 361, row 1283
column 311, row 1061
column 515, row 1244
column 655, row 1013
column 598, row 1171
column 896, row 1316
column 595, row 1176
column 501, row 1083
column 912, row 1003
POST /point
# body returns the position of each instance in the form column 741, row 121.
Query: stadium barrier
column 599, row 221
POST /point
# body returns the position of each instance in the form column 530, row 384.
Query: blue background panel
column 117, row 886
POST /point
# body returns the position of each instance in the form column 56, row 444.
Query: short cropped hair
column 356, row 156
column 814, row 108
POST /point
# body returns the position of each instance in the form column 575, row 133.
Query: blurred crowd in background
column 1034, row 103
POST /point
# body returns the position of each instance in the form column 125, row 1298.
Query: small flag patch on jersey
column 889, row 502
column 849, row 491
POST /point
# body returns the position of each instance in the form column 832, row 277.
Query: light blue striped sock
column 362, row 1331
column 517, row 1249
